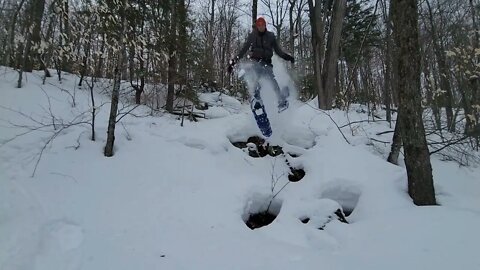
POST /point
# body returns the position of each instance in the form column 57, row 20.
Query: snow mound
column 178, row 197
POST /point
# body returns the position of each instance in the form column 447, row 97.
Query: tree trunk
column 333, row 50
column 228, row 46
column 475, row 27
column 36, row 14
column 10, row 50
column 317, row 25
column 291, row 41
column 387, row 94
column 209, row 54
column 466, row 102
column 94, row 114
column 66, row 61
column 182, row 40
column 112, row 121
column 87, row 47
column 353, row 94
column 131, row 60
column 301, row 38
column 99, row 66
column 172, row 60
column 475, row 83
column 254, row 11
column 429, row 87
column 396, row 142
column 444, row 71
column 407, row 60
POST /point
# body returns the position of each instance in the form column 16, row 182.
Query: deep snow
column 176, row 197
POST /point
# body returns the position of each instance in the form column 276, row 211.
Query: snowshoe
column 282, row 106
column 261, row 117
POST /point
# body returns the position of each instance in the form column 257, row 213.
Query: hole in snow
column 257, row 147
column 259, row 220
column 296, row 174
column 261, row 211
column 345, row 192
column 305, row 220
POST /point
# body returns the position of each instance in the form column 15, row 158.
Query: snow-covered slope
column 177, row 197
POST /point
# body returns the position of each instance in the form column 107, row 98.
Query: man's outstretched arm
column 245, row 47
column 280, row 52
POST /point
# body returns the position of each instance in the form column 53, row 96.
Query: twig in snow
column 274, row 184
column 128, row 134
column 50, row 108
column 447, row 144
column 329, row 116
column 50, row 140
column 375, row 140
column 127, row 113
column 384, row 132
column 361, row 121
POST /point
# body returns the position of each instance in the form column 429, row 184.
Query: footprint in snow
column 59, row 246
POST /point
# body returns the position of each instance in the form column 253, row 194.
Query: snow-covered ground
column 177, row 197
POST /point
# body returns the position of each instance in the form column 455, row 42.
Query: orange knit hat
column 260, row 21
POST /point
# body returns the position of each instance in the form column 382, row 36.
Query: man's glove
column 290, row 58
column 231, row 63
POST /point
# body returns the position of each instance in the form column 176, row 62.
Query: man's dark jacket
column 261, row 47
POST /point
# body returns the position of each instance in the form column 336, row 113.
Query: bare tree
column 278, row 11
column 325, row 67
column 36, row 11
column 291, row 38
column 440, row 54
column 317, row 22
column 329, row 71
column 387, row 93
column 117, row 80
column 172, row 59
column 254, row 11
column 407, row 61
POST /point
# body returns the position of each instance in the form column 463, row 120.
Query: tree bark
column 387, row 94
column 444, row 71
column 99, row 65
column 36, row 13
column 112, row 121
column 429, row 87
column 407, row 60
column 172, row 60
column 66, row 61
column 474, row 82
column 209, row 54
column 10, row 50
column 291, row 41
column 333, row 50
column 182, row 40
column 317, row 25
column 396, row 142
column 254, row 11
